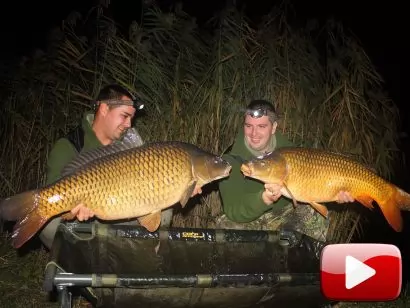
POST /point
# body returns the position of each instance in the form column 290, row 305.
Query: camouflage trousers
column 303, row 219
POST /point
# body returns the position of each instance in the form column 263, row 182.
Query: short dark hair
column 113, row 91
column 260, row 107
column 112, row 95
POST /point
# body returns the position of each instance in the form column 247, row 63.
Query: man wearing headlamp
column 110, row 122
column 248, row 204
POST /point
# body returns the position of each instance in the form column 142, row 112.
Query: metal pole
column 198, row 281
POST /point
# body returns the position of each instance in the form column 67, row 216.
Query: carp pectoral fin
column 366, row 201
column 151, row 221
column 294, row 203
column 320, row 208
column 290, row 194
column 187, row 194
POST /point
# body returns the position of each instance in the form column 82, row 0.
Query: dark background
column 381, row 26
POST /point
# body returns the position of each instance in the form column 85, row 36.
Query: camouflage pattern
column 303, row 219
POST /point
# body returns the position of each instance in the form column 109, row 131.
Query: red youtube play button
column 361, row 272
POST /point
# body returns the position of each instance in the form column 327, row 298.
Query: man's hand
column 197, row 190
column 272, row 193
column 82, row 212
column 344, row 196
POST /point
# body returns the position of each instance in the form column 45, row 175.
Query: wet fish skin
column 316, row 176
column 133, row 182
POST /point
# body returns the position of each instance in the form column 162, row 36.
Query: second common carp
column 316, row 176
column 116, row 182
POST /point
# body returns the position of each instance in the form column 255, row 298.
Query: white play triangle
column 356, row 272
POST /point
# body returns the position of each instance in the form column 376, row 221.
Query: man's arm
column 60, row 155
column 242, row 197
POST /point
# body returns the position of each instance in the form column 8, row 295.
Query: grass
column 21, row 277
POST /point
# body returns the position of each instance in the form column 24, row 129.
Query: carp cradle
column 117, row 265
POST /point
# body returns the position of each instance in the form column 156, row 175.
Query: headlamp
column 137, row 104
column 257, row 113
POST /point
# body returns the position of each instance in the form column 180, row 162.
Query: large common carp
column 313, row 176
column 116, row 182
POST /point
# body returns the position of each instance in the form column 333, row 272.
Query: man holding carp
column 247, row 204
column 115, row 107
column 103, row 169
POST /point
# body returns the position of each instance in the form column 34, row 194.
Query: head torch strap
column 137, row 104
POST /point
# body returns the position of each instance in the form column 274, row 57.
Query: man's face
column 258, row 132
column 118, row 119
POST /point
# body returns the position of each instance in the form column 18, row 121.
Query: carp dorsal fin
column 90, row 155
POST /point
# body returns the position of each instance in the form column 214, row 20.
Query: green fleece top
column 242, row 197
column 64, row 151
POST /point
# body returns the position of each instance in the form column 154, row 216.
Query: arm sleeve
column 60, row 155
